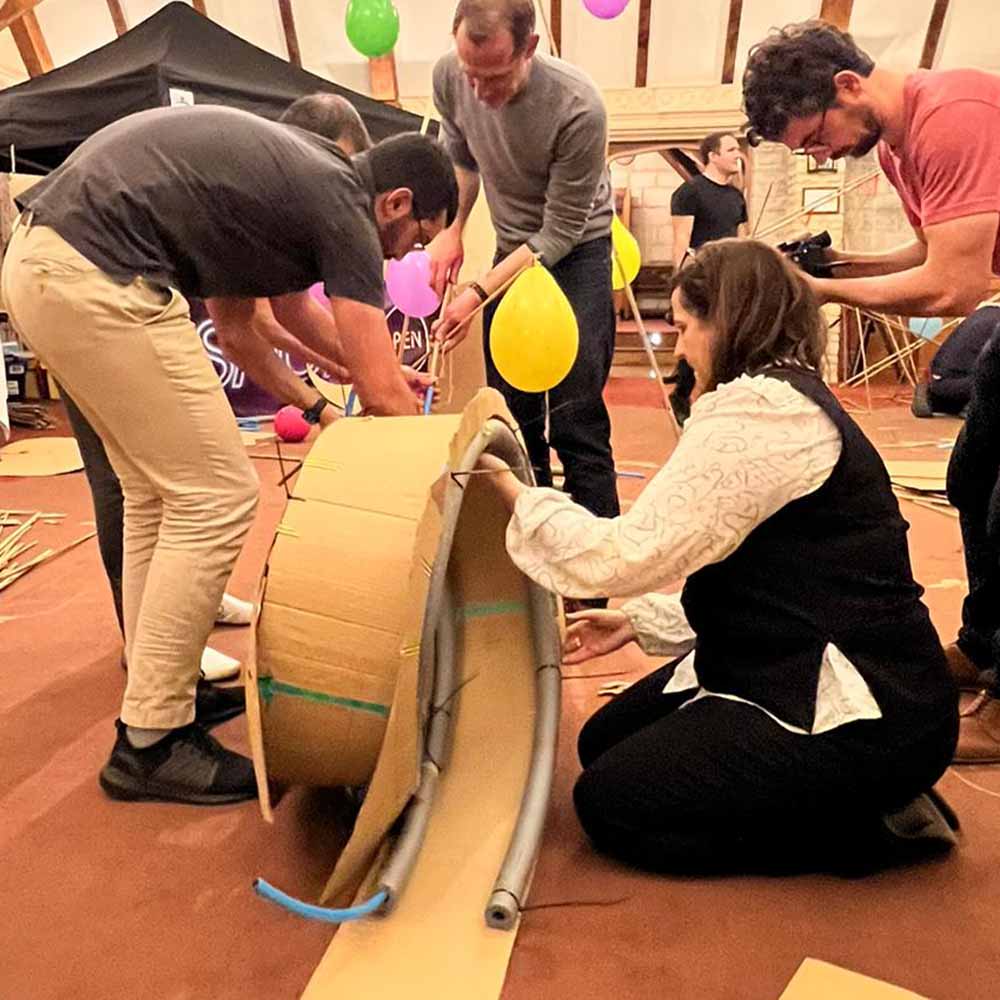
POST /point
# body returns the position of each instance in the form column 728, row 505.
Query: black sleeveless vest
column 831, row 567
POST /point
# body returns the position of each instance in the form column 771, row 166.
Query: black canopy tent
column 46, row 118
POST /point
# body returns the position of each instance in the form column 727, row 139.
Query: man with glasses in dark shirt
column 246, row 214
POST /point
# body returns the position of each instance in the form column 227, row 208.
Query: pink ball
column 290, row 425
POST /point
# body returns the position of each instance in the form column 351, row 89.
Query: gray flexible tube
column 437, row 666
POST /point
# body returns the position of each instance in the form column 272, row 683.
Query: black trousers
column 579, row 425
column 718, row 786
column 974, row 488
column 106, row 491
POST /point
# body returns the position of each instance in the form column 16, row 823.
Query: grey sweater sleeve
column 454, row 141
column 574, row 178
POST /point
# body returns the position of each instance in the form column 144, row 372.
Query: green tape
column 269, row 687
column 500, row 608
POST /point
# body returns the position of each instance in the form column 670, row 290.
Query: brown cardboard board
column 41, row 456
column 332, row 684
column 816, row 980
column 436, row 944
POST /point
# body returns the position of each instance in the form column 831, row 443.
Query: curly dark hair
column 790, row 74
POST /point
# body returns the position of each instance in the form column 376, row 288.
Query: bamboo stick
column 8, row 542
column 789, row 219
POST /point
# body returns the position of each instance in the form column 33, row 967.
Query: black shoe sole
column 121, row 787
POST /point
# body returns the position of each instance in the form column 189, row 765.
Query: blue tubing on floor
column 327, row 914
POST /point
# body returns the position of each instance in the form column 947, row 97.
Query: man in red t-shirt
column 938, row 136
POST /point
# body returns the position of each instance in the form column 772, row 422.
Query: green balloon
column 372, row 26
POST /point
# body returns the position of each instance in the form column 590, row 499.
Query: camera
column 809, row 254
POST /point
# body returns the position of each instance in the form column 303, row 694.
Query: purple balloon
column 408, row 282
column 605, row 9
column 318, row 292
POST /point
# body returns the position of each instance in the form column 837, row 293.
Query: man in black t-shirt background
column 708, row 207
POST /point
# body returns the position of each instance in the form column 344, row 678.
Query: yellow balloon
column 534, row 337
column 625, row 246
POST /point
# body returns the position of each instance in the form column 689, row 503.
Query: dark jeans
column 579, row 425
column 720, row 787
column 106, row 491
column 974, row 488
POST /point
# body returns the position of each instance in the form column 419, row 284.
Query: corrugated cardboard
column 435, row 945
column 816, row 980
column 332, row 686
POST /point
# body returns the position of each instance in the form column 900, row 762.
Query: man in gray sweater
column 534, row 129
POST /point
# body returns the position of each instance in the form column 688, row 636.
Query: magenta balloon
column 408, row 282
column 318, row 292
column 605, row 9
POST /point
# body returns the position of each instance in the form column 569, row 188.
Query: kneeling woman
column 809, row 695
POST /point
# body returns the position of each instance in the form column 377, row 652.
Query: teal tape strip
column 269, row 687
column 500, row 608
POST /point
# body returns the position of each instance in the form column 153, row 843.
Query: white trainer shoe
column 233, row 611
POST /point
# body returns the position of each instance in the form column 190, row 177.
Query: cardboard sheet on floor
column 919, row 475
column 41, row 456
column 816, row 980
column 436, row 945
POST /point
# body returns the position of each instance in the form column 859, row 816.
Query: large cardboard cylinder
column 343, row 597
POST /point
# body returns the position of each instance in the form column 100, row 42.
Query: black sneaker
column 214, row 705
column 186, row 766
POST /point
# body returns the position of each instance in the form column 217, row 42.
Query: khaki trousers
column 133, row 363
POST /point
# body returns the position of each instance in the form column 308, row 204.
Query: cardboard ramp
column 383, row 522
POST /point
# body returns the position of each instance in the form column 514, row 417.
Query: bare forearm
column 507, row 268
column 871, row 265
column 252, row 349
column 916, row 291
column 468, row 192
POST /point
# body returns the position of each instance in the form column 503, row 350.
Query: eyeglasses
column 815, row 139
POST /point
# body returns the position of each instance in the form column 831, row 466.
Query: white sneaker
column 216, row 666
column 233, row 611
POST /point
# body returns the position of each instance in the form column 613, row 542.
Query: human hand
column 418, row 381
column 451, row 326
column 446, row 253
column 506, row 483
column 327, row 415
column 596, row 632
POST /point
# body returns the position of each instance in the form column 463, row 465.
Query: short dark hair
column 419, row 163
column 331, row 116
column 711, row 144
column 790, row 74
column 483, row 18
column 762, row 311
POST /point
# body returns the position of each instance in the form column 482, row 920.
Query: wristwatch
column 479, row 290
column 311, row 415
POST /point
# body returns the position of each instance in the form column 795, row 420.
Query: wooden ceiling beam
column 642, row 46
column 933, row 37
column 837, row 13
column 12, row 10
column 31, row 44
column 732, row 40
column 555, row 23
column 118, row 16
column 382, row 76
column 291, row 36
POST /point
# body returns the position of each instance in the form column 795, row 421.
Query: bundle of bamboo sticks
column 14, row 563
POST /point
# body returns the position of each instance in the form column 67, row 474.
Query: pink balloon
column 318, row 292
column 605, row 9
column 290, row 425
column 408, row 282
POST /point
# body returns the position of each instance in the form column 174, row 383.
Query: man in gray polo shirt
column 534, row 129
